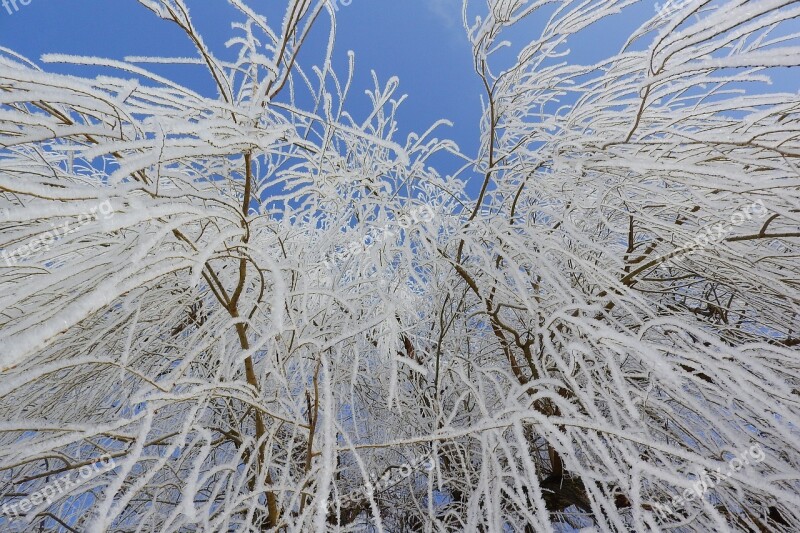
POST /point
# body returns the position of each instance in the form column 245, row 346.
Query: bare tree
column 271, row 316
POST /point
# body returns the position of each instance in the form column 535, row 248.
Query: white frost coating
column 614, row 316
column 210, row 250
column 101, row 520
column 329, row 445
column 193, row 482
column 38, row 337
column 413, row 365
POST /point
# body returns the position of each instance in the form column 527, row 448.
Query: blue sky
column 420, row 41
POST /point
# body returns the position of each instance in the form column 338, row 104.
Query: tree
column 272, row 316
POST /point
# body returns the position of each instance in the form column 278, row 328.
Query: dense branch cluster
column 235, row 297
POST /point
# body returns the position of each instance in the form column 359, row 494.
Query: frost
column 291, row 309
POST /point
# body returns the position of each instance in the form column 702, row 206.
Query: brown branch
column 313, row 416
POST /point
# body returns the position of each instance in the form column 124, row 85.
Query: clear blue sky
column 420, row 41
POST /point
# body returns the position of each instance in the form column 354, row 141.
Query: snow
column 256, row 361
